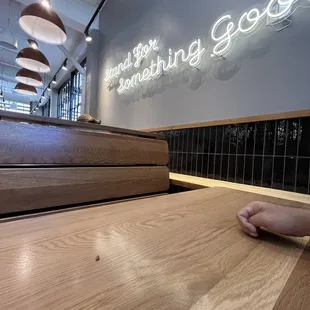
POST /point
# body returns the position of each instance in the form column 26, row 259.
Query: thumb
column 259, row 219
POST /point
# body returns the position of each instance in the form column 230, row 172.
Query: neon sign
column 192, row 57
column 222, row 34
column 246, row 24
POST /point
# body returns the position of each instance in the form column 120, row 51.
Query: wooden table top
column 182, row 251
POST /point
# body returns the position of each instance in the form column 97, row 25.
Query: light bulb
column 64, row 66
column 46, row 3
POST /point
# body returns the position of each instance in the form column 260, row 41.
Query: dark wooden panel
column 36, row 188
column 35, row 144
column 18, row 117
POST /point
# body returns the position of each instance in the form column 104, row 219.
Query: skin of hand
column 278, row 219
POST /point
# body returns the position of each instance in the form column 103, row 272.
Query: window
column 70, row 97
column 76, row 96
column 13, row 106
column 46, row 109
column 63, row 106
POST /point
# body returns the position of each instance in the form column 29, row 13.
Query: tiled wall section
column 274, row 154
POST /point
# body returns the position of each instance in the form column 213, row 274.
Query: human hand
column 278, row 219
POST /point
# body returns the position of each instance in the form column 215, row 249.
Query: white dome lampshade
column 8, row 39
column 42, row 23
column 28, row 77
column 24, row 89
column 33, row 60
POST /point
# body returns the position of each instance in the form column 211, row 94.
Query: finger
column 251, row 209
column 259, row 220
column 246, row 226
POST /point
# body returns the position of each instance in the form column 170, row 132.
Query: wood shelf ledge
column 193, row 182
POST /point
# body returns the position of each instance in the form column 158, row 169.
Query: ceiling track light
column 29, row 78
column 54, row 80
column 64, row 66
column 24, row 89
column 41, row 22
column 49, row 87
column 1, row 94
column 88, row 38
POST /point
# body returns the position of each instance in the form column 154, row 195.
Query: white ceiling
column 92, row 2
column 8, row 67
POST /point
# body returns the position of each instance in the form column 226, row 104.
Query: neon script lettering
column 223, row 32
column 246, row 24
column 140, row 52
column 192, row 56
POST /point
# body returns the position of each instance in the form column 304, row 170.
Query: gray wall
column 268, row 72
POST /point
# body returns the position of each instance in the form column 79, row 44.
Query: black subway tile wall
column 273, row 154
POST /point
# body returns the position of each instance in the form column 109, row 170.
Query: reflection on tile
column 193, row 164
column 293, row 135
column 242, row 134
column 212, row 140
column 304, row 144
column 211, row 166
column 233, row 139
column 226, row 133
column 232, row 167
column 281, row 137
column 199, row 165
column 200, row 138
column 303, row 175
column 250, row 139
column 271, row 154
column 205, row 165
column 239, row 169
column 219, row 139
column 278, row 172
column 217, row 170
column 267, row 171
column 224, row 168
column 289, row 178
column 248, row 169
column 259, row 140
column 257, row 174
column 270, row 138
column 206, row 140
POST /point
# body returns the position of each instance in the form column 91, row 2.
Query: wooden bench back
column 49, row 163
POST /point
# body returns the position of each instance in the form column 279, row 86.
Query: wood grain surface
column 35, row 144
column 48, row 121
column 238, row 120
column 192, row 182
column 181, row 251
column 36, row 188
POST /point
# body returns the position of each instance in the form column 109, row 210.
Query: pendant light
column 33, row 59
column 24, row 89
column 7, row 37
column 28, row 77
column 40, row 21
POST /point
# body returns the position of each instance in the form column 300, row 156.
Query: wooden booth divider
column 48, row 163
